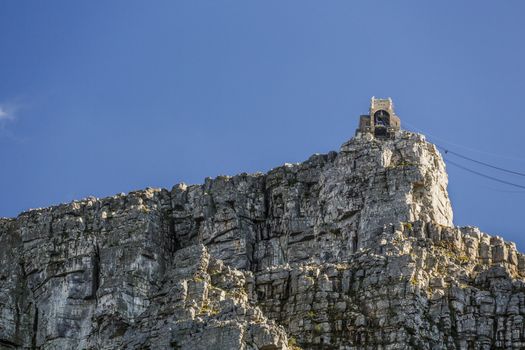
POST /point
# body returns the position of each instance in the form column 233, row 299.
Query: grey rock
column 347, row 250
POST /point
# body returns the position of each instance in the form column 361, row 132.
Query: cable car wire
column 484, row 175
column 448, row 161
column 504, row 191
column 433, row 137
column 446, row 150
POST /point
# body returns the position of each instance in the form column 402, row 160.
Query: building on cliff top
column 381, row 121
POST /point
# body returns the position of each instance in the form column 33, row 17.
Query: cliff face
column 348, row 250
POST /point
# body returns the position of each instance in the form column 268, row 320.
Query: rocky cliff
column 347, row 250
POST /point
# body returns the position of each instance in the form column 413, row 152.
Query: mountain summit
column 353, row 249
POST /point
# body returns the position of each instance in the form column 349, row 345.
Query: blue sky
column 98, row 98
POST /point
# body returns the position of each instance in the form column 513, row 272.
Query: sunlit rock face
column 323, row 209
column 349, row 250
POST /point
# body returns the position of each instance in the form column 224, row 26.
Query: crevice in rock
column 35, row 329
column 7, row 344
column 95, row 279
column 171, row 235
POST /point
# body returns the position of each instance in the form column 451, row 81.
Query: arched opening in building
column 381, row 122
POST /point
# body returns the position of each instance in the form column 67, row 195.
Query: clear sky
column 102, row 97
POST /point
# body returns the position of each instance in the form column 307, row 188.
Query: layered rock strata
column 347, row 250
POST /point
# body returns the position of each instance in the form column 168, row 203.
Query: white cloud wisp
column 6, row 113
